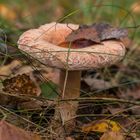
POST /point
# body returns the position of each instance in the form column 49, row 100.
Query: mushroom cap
column 43, row 45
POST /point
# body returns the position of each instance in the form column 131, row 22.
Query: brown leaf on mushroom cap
column 96, row 32
column 107, row 31
column 84, row 32
column 81, row 43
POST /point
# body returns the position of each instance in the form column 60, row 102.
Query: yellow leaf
column 102, row 126
column 7, row 13
column 135, row 8
column 112, row 136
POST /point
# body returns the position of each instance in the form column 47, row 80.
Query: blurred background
column 20, row 15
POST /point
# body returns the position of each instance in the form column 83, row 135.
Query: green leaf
column 49, row 90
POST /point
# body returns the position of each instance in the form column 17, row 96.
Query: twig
column 95, row 99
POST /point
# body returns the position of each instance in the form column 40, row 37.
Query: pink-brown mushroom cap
column 43, row 44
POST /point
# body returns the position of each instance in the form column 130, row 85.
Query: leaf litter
column 100, row 32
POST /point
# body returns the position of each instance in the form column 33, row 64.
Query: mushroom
column 43, row 44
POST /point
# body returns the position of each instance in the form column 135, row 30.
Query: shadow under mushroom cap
column 42, row 44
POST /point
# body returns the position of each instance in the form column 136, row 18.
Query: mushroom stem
column 72, row 90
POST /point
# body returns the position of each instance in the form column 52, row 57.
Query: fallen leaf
column 7, row 13
column 133, row 93
column 113, row 33
column 96, row 33
column 23, row 70
column 33, row 104
column 49, row 90
column 96, row 84
column 102, row 126
column 84, row 32
column 21, row 85
column 114, row 110
column 51, row 74
column 11, row 132
column 112, row 136
column 81, row 43
column 136, row 7
column 7, row 70
column 69, row 138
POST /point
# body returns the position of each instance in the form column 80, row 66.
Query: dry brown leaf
column 69, row 138
column 33, row 104
column 6, row 70
column 84, row 32
column 51, row 74
column 96, row 84
column 11, row 132
column 77, row 44
column 40, row 71
column 112, row 136
column 24, row 69
column 133, row 94
column 96, row 33
column 24, row 84
column 115, row 110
